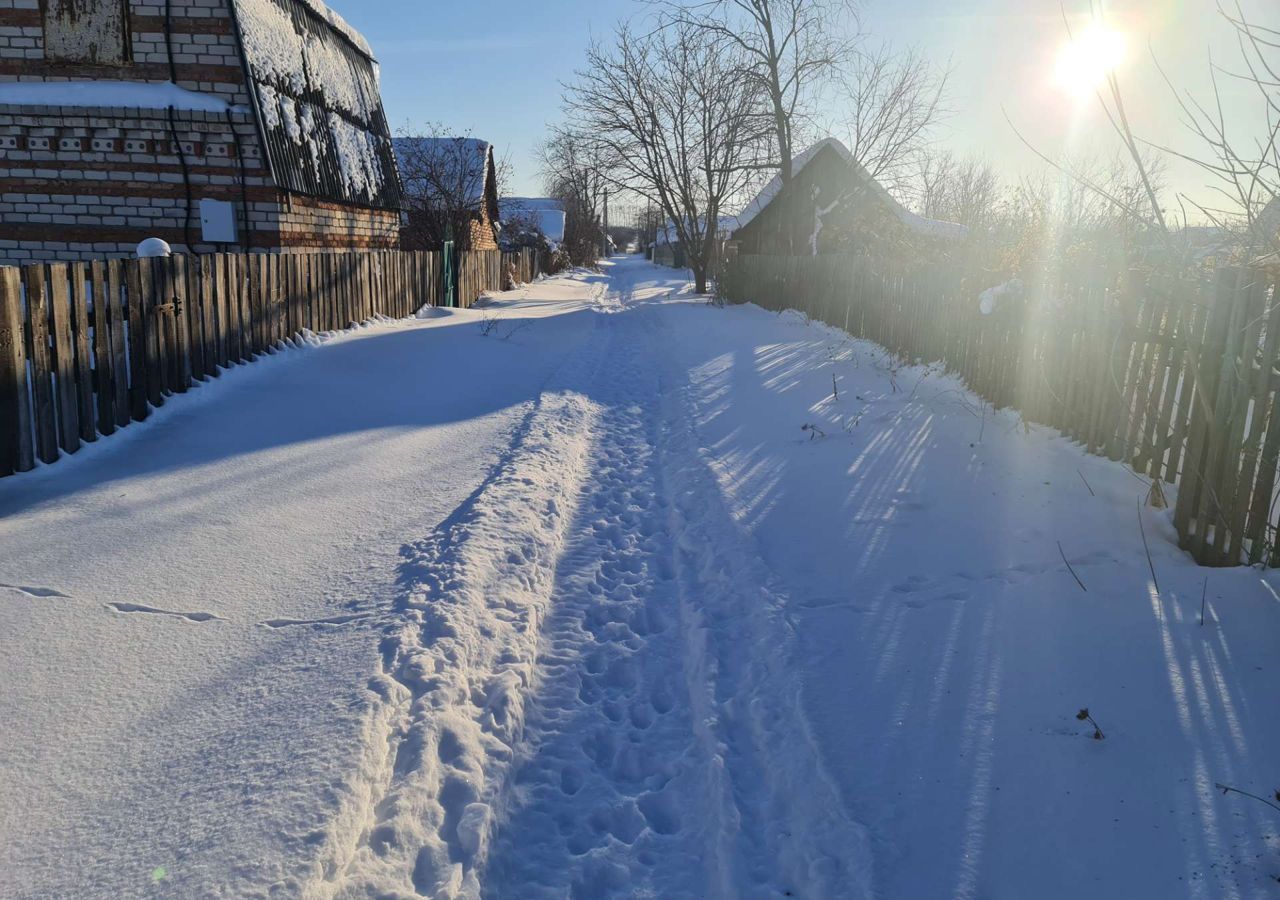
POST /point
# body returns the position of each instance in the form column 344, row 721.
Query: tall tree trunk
column 782, row 126
column 700, row 278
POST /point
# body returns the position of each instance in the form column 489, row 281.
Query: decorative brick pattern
column 79, row 183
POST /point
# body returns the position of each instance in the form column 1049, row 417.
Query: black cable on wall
column 186, row 179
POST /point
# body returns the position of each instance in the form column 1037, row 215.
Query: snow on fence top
column 316, row 87
column 544, row 212
column 917, row 223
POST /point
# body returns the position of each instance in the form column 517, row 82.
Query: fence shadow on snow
column 88, row 348
column 1176, row 376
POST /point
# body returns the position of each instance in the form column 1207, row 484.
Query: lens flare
column 1084, row 61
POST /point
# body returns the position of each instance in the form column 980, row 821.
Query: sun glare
column 1085, row 60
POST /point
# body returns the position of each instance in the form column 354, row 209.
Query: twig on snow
column 1204, row 593
column 1071, row 570
column 1227, row 789
column 1086, row 483
column 1147, row 548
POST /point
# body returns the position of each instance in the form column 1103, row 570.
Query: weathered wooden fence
column 1180, row 377
column 87, row 348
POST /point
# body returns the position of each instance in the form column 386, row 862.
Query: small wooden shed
column 831, row 205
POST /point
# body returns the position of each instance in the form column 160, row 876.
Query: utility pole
column 604, row 241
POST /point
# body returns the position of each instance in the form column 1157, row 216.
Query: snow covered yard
column 602, row 591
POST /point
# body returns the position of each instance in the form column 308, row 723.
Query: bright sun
column 1085, row 60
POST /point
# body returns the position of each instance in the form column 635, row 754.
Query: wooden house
column 213, row 124
column 831, row 205
column 669, row 250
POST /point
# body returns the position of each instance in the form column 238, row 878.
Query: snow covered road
column 556, row 598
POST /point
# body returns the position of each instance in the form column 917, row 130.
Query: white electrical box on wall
column 218, row 221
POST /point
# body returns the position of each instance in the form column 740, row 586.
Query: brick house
column 831, row 205
column 214, row 124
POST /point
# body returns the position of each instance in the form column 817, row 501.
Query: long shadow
column 387, row 379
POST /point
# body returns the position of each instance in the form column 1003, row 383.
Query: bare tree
column 933, row 177
column 1084, row 208
column 446, row 182
column 573, row 171
column 966, row 191
column 1244, row 173
column 675, row 118
column 895, row 98
column 790, row 50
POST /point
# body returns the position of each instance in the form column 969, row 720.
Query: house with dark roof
column 213, row 124
column 831, row 205
column 450, row 192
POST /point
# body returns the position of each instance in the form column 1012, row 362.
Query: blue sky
column 494, row 67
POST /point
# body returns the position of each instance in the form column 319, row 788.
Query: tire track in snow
column 459, row 663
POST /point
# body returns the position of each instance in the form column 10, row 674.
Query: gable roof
column 917, row 223
column 315, row 88
column 432, row 166
column 545, row 212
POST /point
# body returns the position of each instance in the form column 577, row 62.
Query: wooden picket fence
column 1177, row 376
column 87, row 348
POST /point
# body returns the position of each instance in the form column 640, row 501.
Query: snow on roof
column 340, row 25
column 316, row 93
column 725, row 226
column 917, row 223
column 544, row 212
column 430, row 166
column 297, row 59
column 263, row 21
column 527, row 203
column 134, row 94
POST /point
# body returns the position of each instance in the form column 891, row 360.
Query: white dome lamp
column 152, row 247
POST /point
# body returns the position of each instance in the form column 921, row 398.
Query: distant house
column 450, row 192
column 669, row 250
column 831, row 205
column 523, row 217
column 213, row 124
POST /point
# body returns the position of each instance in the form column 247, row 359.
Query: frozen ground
column 576, row 608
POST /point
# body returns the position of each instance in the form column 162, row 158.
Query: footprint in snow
column 39, row 593
column 331, row 621
column 187, row 616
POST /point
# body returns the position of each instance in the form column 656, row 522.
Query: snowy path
column 577, row 609
column 614, row 733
